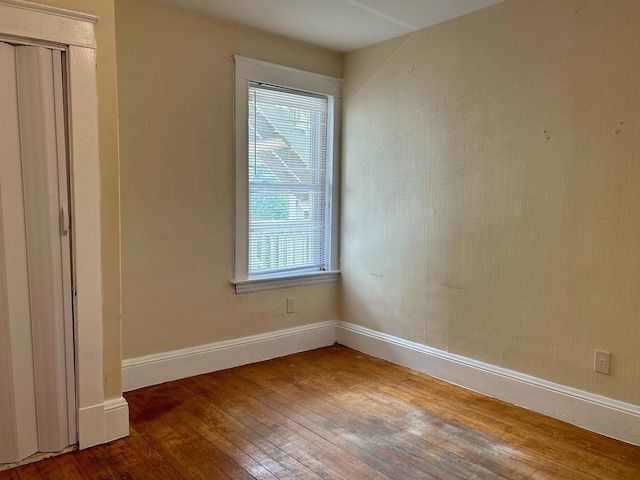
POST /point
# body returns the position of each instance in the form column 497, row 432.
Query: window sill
column 273, row 283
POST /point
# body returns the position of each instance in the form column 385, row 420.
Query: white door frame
column 33, row 23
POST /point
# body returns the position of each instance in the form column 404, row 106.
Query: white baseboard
column 91, row 426
column 164, row 367
column 116, row 419
column 587, row 410
column 593, row 412
column 103, row 423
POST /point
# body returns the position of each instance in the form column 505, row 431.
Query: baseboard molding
column 116, row 419
column 587, row 410
column 91, row 422
column 164, row 367
column 103, row 423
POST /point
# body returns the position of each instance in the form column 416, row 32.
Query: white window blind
column 287, row 180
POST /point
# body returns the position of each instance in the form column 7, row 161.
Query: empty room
column 320, row 239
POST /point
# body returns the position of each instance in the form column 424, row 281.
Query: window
column 287, row 169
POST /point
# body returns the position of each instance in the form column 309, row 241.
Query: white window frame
column 249, row 70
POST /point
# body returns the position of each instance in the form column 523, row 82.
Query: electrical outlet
column 602, row 362
column 291, row 305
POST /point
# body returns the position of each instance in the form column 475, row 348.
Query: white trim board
column 164, row 367
column 116, row 419
column 108, row 421
column 587, row 410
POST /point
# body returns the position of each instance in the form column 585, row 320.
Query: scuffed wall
column 491, row 200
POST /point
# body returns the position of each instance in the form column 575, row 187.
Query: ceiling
column 341, row 25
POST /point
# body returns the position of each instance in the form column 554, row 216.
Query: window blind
column 287, row 180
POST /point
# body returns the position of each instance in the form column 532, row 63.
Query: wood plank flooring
column 335, row 413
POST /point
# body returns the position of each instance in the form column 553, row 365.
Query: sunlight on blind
column 287, row 173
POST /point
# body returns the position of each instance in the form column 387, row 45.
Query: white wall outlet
column 602, row 362
column 291, row 305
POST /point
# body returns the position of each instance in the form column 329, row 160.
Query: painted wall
column 490, row 189
column 175, row 77
column 110, row 211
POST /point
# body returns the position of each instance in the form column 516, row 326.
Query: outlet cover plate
column 602, row 362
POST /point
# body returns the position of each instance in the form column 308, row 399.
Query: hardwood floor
column 335, row 413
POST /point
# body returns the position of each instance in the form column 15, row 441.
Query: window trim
column 249, row 70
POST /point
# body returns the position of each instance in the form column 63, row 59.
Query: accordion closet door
column 37, row 386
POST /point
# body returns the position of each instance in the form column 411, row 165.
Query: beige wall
column 110, row 221
column 491, row 200
column 175, row 77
